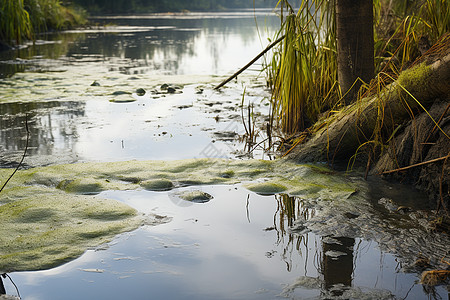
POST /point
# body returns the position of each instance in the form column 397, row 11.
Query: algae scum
column 51, row 215
column 187, row 214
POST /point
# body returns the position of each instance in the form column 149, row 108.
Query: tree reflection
column 2, row 287
column 3, row 290
column 335, row 262
column 49, row 123
column 40, row 56
column 166, row 45
column 337, row 271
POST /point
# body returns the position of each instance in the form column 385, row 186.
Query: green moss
column 414, row 77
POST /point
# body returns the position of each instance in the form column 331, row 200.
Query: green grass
column 15, row 23
column 22, row 19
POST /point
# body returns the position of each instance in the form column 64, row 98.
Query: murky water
column 238, row 245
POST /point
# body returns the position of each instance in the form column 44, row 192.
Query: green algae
column 80, row 186
column 266, row 188
column 280, row 176
column 44, row 228
column 227, row 174
column 414, row 77
column 195, row 196
column 50, row 214
column 157, row 185
column 66, row 85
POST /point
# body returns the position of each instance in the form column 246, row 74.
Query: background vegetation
column 22, row 19
column 142, row 6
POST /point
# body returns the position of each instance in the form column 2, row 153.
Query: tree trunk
column 354, row 26
column 343, row 133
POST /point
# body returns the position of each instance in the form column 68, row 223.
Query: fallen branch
column 249, row 64
column 416, row 165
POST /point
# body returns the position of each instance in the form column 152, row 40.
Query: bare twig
column 4, row 275
column 23, row 156
column 249, row 64
column 416, row 165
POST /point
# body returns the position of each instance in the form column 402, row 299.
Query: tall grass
column 405, row 30
column 15, row 23
column 21, row 19
column 45, row 14
column 303, row 68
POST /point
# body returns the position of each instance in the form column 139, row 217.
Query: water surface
column 76, row 91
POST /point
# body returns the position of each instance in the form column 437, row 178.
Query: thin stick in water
column 250, row 63
column 23, row 156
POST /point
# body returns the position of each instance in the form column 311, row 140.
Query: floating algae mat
column 43, row 229
column 51, row 215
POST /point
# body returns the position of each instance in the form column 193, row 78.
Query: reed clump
column 303, row 70
column 22, row 19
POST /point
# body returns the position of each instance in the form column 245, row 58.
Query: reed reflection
column 290, row 209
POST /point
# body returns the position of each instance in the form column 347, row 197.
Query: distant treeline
column 136, row 6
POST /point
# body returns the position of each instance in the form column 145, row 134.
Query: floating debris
column 93, row 270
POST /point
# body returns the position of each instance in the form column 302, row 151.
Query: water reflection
column 43, row 55
column 239, row 245
column 336, row 264
column 200, row 44
column 3, row 292
column 134, row 52
column 2, row 286
column 337, row 271
column 50, row 125
column 289, row 209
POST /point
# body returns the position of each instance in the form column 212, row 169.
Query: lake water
column 77, row 92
